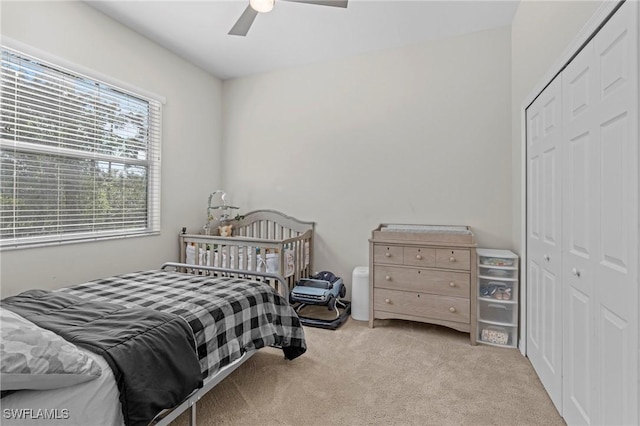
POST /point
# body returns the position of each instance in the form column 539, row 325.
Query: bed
column 262, row 240
column 210, row 321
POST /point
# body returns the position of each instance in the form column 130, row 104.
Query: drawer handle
column 576, row 272
column 387, row 277
column 387, row 254
column 387, row 300
column 452, row 309
column 496, row 306
column 452, row 284
column 419, row 256
column 452, row 259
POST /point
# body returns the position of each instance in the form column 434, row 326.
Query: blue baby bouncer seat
column 323, row 289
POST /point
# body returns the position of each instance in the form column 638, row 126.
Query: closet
column 582, row 295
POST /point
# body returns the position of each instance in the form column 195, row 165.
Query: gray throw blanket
column 152, row 354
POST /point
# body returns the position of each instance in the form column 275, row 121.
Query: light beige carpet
column 399, row 373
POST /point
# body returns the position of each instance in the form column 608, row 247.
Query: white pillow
column 34, row 358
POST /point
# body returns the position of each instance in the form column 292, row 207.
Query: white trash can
column 360, row 293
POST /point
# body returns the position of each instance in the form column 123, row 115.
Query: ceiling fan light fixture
column 262, row 6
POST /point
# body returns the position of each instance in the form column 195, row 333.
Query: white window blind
column 79, row 158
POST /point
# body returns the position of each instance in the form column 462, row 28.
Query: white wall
column 191, row 139
column 412, row 135
column 540, row 33
column 424, row 134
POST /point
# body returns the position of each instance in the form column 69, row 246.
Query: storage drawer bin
column 498, row 290
column 490, row 260
column 502, row 273
column 497, row 335
column 506, row 313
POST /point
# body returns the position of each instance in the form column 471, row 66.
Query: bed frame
column 165, row 417
column 275, row 243
column 281, row 285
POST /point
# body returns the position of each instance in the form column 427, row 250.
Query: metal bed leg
column 192, row 420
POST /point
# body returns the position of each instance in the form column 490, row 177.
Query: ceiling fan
column 241, row 28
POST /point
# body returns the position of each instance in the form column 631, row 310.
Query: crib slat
column 235, row 255
column 296, row 258
column 263, row 256
column 222, row 258
column 199, row 254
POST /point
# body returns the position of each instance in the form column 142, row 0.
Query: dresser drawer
column 387, row 254
column 422, row 280
column 453, row 259
column 447, row 308
column 419, row 256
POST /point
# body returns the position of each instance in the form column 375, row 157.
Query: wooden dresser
column 423, row 273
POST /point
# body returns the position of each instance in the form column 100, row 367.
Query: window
column 79, row 158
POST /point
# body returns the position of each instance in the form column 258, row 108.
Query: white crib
column 262, row 241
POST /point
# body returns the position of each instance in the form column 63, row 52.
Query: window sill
column 8, row 245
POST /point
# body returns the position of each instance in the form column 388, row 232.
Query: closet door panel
column 615, row 403
column 534, row 310
column 616, row 319
column 577, row 281
column 544, row 313
column 577, row 347
column 614, row 152
column 616, row 304
column 582, row 265
column 600, row 217
column 551, row 192
column 580, row 212
column 579, row 232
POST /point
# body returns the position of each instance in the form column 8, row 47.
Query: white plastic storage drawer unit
column 497, row 297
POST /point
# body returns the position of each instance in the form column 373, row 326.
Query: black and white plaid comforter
column 228, row 316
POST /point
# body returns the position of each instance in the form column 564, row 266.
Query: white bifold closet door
column 583, row 187
column 600, row 227
column 544, row 252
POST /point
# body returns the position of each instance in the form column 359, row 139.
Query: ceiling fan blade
column 334, row 3
column 241, row 28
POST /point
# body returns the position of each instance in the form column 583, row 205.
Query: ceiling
column 296, row 33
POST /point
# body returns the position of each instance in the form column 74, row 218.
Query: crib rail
column 271, row 224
